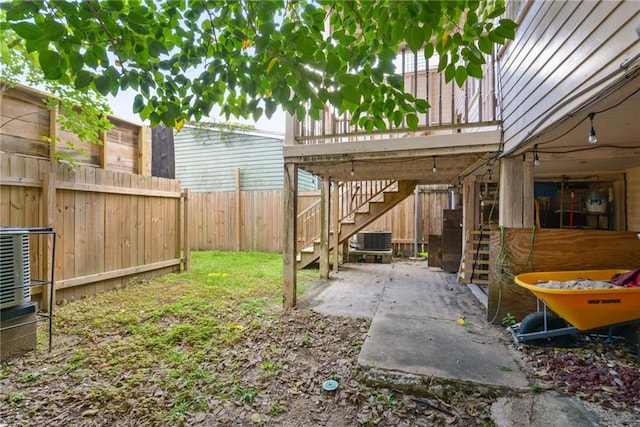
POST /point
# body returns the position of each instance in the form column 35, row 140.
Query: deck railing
column 453, row 109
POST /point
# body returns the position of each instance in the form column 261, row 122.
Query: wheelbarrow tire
column 534, row 322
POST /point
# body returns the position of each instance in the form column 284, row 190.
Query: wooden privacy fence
column 253, row 220
column 110, row 226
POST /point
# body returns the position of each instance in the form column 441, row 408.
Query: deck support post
column 470, row 209
column 516, row 193
column 325, row 191
column 335, row 219
column 290, row 233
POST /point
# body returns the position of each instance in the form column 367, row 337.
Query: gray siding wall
column 562, row 48
column 207, row 159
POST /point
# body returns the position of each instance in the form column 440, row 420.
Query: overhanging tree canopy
column 248, row 57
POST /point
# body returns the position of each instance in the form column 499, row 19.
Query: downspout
column 415, row 223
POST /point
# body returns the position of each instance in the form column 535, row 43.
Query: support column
column 516, row 193
column 290, row 233
column 325, row 191
column 470, row 217
column 335, row 213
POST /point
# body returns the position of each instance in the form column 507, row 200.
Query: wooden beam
column 527, row 195
column 335, row 218
column 53, row 133
column 143, row 152
column 186, row 240
column 289, row 133
column 103, row 150
column 114, row 274
column 290, row 234
column 325, row 191
column 619, row 211
column 511, row 192
column 403, row 146
column 470, row 212
column 49, row 218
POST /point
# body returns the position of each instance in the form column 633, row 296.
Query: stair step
column 475, row 251
column 477, row 262
column 478, row 242
column 476, row 281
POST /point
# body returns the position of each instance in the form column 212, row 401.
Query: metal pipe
column 415, row 223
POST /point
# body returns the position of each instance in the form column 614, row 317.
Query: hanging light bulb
column 353, row 172
column 435, row 168
column 592, row 132
column 536, row 159
column 490, row 174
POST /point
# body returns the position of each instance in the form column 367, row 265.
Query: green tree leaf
column 53, row 30
column 412, row 121
column 461, row 75
column 351, row 94
column 83, row 79
column 50, row 63
column 103, row 85
column 415, row 37
column 183, row 61
column 27, row 30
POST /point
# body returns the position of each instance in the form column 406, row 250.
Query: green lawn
column 153, row 342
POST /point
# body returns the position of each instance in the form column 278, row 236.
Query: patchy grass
column 152, row 347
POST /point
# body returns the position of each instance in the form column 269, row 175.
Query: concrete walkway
column 426, row 325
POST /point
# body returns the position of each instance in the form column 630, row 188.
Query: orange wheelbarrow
column 583, row 309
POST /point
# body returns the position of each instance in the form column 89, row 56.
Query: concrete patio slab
column 423, row 323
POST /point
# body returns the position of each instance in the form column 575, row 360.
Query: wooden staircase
column 360, row 203
column 475, row 259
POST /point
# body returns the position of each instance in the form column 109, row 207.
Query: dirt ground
column 283, row 364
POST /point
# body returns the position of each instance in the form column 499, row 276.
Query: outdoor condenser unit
column 374, row 241
column 15, row 273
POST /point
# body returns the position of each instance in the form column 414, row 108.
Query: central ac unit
column 374, row 241
column 15, row 273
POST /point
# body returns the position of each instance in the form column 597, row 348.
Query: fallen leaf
column 90, row 412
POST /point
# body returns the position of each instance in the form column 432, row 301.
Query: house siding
column 207, row 160
column 560, row 50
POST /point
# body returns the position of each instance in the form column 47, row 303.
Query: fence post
column 48, row 212
column 186, row 239
column 238, row 212
column 103, row 150
column 53, row 133
column 143, row 152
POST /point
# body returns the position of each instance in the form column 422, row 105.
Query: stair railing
column 353, row 196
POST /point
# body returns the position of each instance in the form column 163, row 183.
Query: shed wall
column 207, row 160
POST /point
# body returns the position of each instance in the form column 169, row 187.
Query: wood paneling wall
column 214, row 218
column 550, row 250
column 26, row 123
column 111, row 226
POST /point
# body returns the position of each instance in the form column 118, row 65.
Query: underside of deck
column 429, row 159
